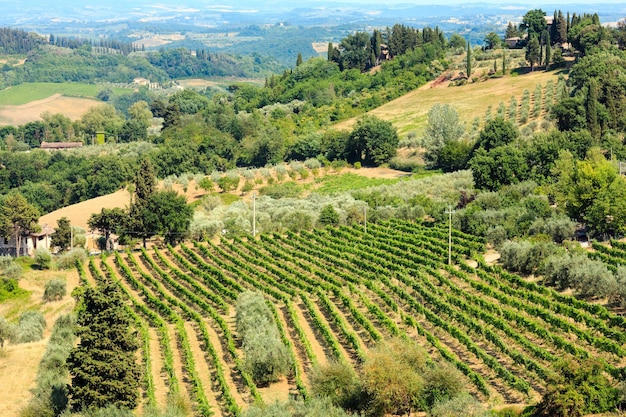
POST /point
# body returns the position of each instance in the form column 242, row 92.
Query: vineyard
column 334, row 293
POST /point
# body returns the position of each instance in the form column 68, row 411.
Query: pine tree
column 299, row 60
column 103, row 366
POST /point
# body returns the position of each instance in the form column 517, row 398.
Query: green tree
column 103, row 367
column 492, row 40
column 18, row 219
column 108, row 221
column 577, row 389
column 548, row 54
column 456, row 41
column 373, row 141
column 167, row 214
column 534, row 22
column 329, row 216
column 393, row 375
column 511, row 31
column 468, row 61
column 337, row 382
column 580, row 183
column 299, row 60
column 497, row 132
column 62, row 236
column 533, row 51
column 499, row 166
column 443, row 127
column 139, row 225
column 101, row 118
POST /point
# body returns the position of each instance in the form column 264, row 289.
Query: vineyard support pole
column 449, row 212
column 254, row 214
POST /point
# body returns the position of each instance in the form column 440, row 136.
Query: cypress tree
column 592, row 109
column 299, row 60
column 103, row 366
column 548, row 51
column 468, row 63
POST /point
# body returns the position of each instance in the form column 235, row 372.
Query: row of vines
column 334, row 294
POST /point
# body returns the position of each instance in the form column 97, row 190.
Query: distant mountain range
column 68, row 14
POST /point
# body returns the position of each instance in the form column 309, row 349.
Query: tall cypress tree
column 548, row 51
column 145, row 187
column 468, row 63
column 592, row 109
column 103, row 366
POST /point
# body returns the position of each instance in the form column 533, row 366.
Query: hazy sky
column 528, row 4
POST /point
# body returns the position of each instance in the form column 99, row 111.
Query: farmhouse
column 28, row 244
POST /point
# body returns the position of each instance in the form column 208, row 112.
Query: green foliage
column 337, row 383
column 103, row 367
column 310, row 408
column 9, row 268
column 228, row 182
column 443, row 128
column 62, row 236
column 50, row 394
column 441, row 383
column 373, row 141
column 289, row 189
column 578, row 389
column 17, row 218
column 55, row 289
column 266, row 357
column 328, row 216
column 392, row 375
column 68, row 260
column 459, row 406
column 30, row 327
column 43, row 258
column 7, row 332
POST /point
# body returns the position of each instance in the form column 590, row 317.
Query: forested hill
column 60, row 59
column 17, row 41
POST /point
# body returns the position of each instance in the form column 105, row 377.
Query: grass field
column 25, row 93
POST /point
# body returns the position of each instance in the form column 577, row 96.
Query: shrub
column 9, row 268
column 338, row 383
column 577, row 389
column 30, row 327
column 310, row 408
column 266, row 358
column 43, row 258
column 460, row 406
column 442, row 383
column 55, row 290
column 7, row 332
column 69, row 259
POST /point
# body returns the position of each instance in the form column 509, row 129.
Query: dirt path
column 318, row 350
column 237, row 389
column 202, row 368
column 158, row 376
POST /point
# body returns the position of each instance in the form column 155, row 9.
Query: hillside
column 409, row 113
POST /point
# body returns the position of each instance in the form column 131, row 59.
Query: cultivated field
column 26, row 102
column 335, row 294
column 409, row 113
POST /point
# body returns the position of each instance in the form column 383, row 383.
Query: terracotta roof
column 45, row 230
